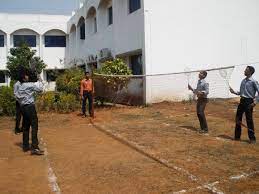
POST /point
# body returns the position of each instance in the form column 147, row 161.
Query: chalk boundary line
column 52, row 178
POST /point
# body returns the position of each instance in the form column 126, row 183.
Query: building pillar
column 40, row 46
column 8, row 44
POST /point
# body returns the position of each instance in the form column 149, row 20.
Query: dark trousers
column 245, row 107
column 18, row 117
column 201, row 104
column 87, row 96
column 30, row 120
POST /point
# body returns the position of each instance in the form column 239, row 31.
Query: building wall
column 196, row 34
column 34, row 24
column 125, row 35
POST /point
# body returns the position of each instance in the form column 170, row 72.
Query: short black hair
column 22, row 73
column 251, row 69
column 204, row 73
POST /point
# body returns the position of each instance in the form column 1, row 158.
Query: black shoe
column 83, row 115
column 26, row 149
column 37, row 151
column 17, row 131
column 203, row 131
column 237, row 139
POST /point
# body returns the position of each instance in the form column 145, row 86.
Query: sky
column 58, row 7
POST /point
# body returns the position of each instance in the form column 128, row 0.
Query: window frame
column 95, row 24
column 110, row 17
column 2, row 79
column 17, row 42
column 82, row 31
column 55, row 44
column 2, row 40
column 137, row 58
column 55, row 73
column 132, row 9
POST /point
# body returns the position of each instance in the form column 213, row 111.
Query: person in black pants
column 18, row 112
column 202, row 91
column 25, row 96
column 86, row 92
column 248, row 101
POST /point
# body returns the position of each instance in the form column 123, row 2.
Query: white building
column 47, row 34
column 153, row 37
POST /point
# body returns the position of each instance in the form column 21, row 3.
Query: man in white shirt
column 25, row 97
column 202, row 91
column 248, row 99
column 18, row 114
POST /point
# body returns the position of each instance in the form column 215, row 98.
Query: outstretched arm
column 234, row 92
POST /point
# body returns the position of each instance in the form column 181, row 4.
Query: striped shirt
column 16, row 88
column 25, row 93
column 248, row 89
column 202, row 86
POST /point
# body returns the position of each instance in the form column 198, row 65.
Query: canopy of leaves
column 69, row 81
column 23, row 57
column 115, row 67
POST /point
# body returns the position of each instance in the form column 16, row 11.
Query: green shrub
column 115, row 67
column 47, row 101
column 57, row 101
column 69, row 81
column 67, row 103
column 7, row 101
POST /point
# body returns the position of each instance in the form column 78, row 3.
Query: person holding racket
column 26, row 99
column 202, row 92
column 86, row 92
column 248, row 89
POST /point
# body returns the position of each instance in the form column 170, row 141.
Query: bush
column 47, row 101
column 57, row 101
column 67, row 103
column 69, row 81
column 115, row 67
column 7, row 101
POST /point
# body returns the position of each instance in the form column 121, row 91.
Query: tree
column 23, row 57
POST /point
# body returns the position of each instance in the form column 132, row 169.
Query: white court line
column 51, row 175
column 211, row 186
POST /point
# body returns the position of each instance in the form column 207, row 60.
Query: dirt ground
column 153, row 149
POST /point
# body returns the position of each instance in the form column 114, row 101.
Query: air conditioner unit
column 105, row 53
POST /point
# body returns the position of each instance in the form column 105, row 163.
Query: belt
column 87, row 91
column 244, row 98
column 24, row 105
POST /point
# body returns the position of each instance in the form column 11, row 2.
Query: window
column 110, row 16
column 53, row 74
column 55, row 41
column 30, row 40
column 1, row 40
column 2, row 77
column 82, row 31
column 136, row 64
column 95, row 25
column 134, row 5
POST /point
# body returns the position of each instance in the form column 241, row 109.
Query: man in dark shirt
column 202, row 91
column 248, row 89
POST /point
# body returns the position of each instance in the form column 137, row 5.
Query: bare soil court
column 154, row 149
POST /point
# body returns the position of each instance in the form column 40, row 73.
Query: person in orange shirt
column 86, row 92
